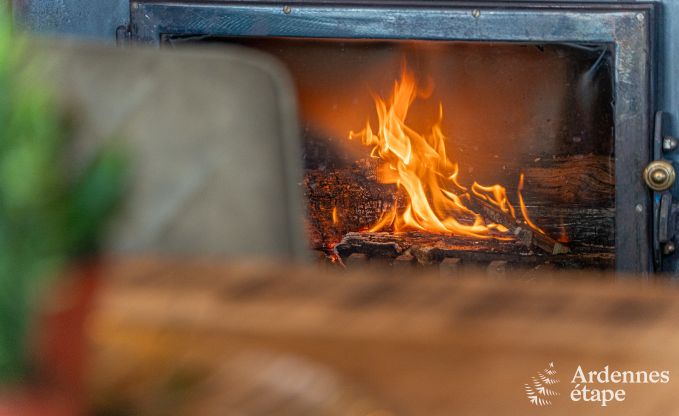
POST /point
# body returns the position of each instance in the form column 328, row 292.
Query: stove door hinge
column 660, row 177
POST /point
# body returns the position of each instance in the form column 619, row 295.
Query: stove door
column 624, row 30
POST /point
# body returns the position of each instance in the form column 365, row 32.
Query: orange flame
column 418, row 163
column 524, row 211
column 496, row 195
column 335, row 218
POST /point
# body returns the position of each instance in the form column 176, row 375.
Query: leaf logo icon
column 539, row 391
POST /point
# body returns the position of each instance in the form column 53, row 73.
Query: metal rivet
column 639, row 208
column 669, row 248
column 134, row 6
column 640, row 17
column 287, row 9
column 476, row 13
column 669, row 143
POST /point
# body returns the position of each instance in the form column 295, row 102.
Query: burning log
column 428, row 248
column 578, row 179
column 344, row 199
column 450, row 252
column 360, row 200
column 356, row 243
column 518, row 228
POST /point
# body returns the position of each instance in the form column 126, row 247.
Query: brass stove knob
column 659, row 175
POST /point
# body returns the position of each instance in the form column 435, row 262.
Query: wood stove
column 443, row 132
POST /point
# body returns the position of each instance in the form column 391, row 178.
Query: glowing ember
column 417, row 162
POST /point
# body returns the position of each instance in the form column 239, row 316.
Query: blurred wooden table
column 204, row 337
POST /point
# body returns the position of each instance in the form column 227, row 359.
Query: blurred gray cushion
column 213, row 135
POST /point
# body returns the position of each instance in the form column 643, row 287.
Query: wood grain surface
column 209, row 337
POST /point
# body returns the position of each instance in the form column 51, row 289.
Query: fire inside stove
column 418, row 164
column 474, row 152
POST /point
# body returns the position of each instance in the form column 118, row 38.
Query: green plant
column 50, row 213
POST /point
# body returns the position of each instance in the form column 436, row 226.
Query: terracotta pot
column 57, row 387
column 36, row 401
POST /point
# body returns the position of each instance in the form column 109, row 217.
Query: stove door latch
column 660, row 176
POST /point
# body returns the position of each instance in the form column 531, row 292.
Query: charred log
column 585, row 180
column 358, row 200
column 518, row 228
column 433, row 249
column 581, row 179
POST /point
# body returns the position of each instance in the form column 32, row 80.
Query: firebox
column 439, row 132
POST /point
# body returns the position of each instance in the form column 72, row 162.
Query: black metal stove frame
column 647, row 223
